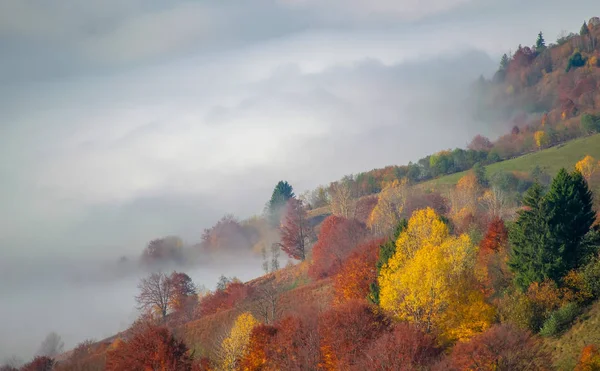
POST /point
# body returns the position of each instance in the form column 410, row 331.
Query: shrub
column 590, row 123
column 560, row 320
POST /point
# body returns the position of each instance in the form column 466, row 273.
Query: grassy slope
column 550, row 160
column 567, row 348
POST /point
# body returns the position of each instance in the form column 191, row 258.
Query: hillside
column 550, row 160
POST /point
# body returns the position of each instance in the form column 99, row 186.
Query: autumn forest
column 446, row 263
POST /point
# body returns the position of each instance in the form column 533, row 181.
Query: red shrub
column 345, row 330
column 404, row 348
column 337, row 239
column 357, row 272
column 153, row 348
column 502, row 347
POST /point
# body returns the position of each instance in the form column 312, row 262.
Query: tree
column 540, row 43
column 548, row 238
column 481, row 143
column 267, row 302
column 404, row 347
column 344, row 331
column 496, row 237
column 357, row 273
column 585, row 30
column 430, row 280
column 390, row 204
column 156, row 292
column 589, row 359
column 39, row 363
column 51, row 346
column 541, row 139
column 296, row 231
column 166, row 249
column 588, row 167
column 337, row 238
column 342, row 194
column 386, row 251
column 260, row 349
column 504, row 61
column 184, row 296
column 226, row 234
column 235, row 345
column 151, row 348
column 502, row 347
column 590, row 123
column 281, row 194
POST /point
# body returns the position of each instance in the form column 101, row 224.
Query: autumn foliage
column 40, row 363
column 502, row 347
column 214, row 302
column 337, row 238
column 153, row 348
column 357, row 272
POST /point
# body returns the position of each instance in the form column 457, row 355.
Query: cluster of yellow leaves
column 588, row 167
column 234, row 346
column 430, row 280
column 463, row 198
column 390, row 203
column 541, row 138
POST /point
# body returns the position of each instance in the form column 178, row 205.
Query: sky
column 126, row 120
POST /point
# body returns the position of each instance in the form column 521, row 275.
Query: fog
column 124, row 121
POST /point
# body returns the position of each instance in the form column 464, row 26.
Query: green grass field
column 550, row 160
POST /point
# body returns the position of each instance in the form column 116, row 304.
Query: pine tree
column 281, row 194
column 504, row 61
column 529, row 239
column 570, row 216
column 584, row 29
column 551, row 236
column 540, row 43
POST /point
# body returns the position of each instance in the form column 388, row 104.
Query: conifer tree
column 281, row 194
column 504, row 62
column 540, row 43
column 386, row 251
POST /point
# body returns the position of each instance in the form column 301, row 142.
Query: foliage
column 39, row 363
column 386, row 251
column 282, row 192
column 296, row 231
column 166, row 249
column 152, row 348
column 589, row 360
column 430, row 281
column 234, row 347
column 588, row 167
column 260, row 347
column 576, row 60
column 404, row 347
column 390, row 204
column 183, row 296
column 560, row 320
column 357, row 273
column 234, row 293
column 548, row 237
column 541, row 139
column 502, row 347
column 226, row 234
column 590, row 123
column 337, row 238
column 345, row 329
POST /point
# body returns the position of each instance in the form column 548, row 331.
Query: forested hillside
column 485, row 258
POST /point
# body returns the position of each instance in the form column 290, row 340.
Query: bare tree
column 156, row 292
column 342, row 195
column 51, row 346
column 266, row 305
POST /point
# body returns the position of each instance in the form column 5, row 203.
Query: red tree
column 337, row 239
column 480, row 143
column 296, row 231
column 357, row 272
column 295, row 346
column 405, row 347
column 345, row 329
column 234, row 293
column 183, row 299
column 152, row 348
column 40, row 363
column 496, row 236
column 502, row 347
column 260, row 348
column 227, row 234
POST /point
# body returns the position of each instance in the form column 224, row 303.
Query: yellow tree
column 235, row 345
column 587, row 166
column 390, row 203
column 541, row 139
column 431, row 280
column 463, row 198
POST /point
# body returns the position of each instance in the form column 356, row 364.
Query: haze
column 123, row 121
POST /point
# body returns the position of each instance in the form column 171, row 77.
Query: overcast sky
column 124, row 120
